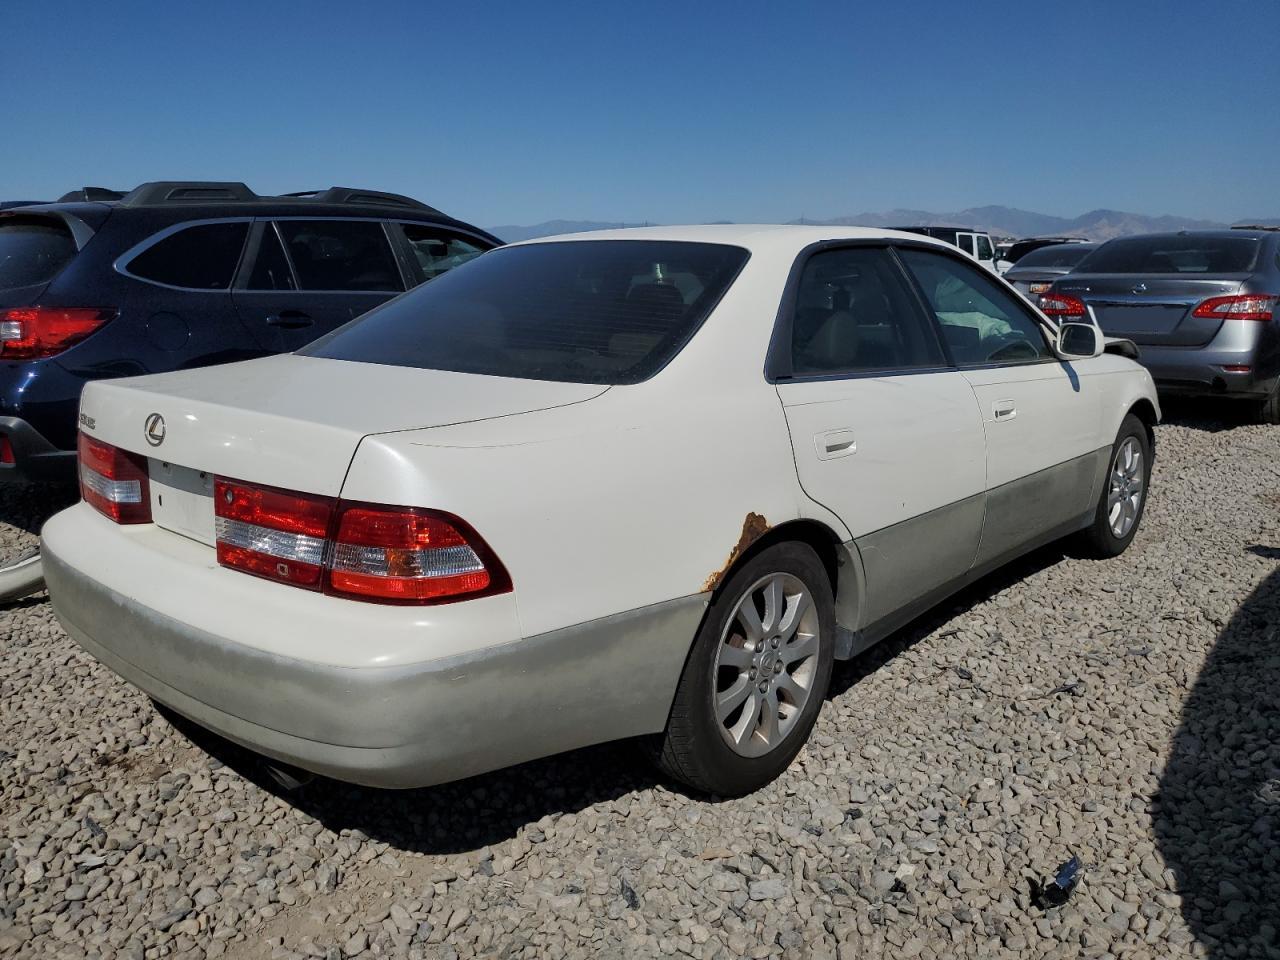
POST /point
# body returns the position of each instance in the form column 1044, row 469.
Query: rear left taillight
column 114, row 481
column 7, row 459
column 409, row 555
column 1062, row 305
column 1245, row 306
column 277, row 534
column 362, row 551
column 32, row 333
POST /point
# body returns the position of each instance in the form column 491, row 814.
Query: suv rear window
column 1177, row 254
column 33, row 250
column 589, row 311
column 200, row 257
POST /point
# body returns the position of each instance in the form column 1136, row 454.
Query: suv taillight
column 1061, row 305
column 363, row 551
column 1245, row 306
column 114, row 481
column 32, row 333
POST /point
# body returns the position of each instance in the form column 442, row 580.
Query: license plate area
column 182, row 500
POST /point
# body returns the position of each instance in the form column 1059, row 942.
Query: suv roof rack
column 357, row 195
column 186, row 191
column 90, row 194
column 1255, row 226
column 214, row 191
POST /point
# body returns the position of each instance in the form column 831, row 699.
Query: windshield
column 1173, row 254
column 590, row 311
column 33, row 250
column 1057, row 255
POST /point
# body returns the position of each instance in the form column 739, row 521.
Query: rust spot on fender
column 753, row 527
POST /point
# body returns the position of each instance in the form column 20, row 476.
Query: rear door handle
column 1004, row 410
column 290, row 320
column 835, row 443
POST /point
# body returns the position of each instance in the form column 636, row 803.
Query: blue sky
column 672, row 112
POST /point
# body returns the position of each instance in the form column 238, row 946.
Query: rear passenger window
column 436, row 251
column 854, row 313
column 201, row 257
column 982, row 322
column 337, row 255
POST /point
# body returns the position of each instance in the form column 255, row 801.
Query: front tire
column 1124, row 492
column 756, row 676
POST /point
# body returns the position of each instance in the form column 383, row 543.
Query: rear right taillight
column 1061, row 305
column 114, row 481
column 7, row 459
column 1244, row 306
column 409, row 555
column 277, row 534
column 363, row 551
column 32, row 333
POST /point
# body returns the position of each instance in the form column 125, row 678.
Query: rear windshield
column 590, row 311
column 1057, row 255
column 1177, row 254
column 33, row 250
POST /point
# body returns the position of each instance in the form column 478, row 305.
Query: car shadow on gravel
column 1217, row 814
column 1210, row 414
column 454, row 817
column 849, row 673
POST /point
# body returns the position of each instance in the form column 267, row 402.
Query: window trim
column 121, row 263
column 778, row 362
column 1020, row 303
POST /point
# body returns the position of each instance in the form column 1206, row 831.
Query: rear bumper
column 1205, row 371
column 406, row 725
column 35, row 458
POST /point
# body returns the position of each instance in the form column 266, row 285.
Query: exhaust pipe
column 288, row 778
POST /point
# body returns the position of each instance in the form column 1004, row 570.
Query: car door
column 885, row 434
column 310, row 275
column 1042, row 417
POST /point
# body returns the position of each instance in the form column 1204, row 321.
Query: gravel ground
column 1124, row 712
column 23, row 509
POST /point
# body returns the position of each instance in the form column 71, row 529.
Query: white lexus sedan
column 636, row 483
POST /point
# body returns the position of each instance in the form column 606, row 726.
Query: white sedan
column 636, row 483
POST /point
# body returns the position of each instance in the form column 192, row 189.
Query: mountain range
column 997, row 220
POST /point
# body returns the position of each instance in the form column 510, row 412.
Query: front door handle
column 290, row 320
column 835, row 443
column 1004, row 410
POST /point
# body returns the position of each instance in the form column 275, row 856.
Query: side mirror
column 1078, row 341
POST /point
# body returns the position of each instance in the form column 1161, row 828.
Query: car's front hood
column 294, row 422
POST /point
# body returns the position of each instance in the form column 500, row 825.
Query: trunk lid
column 1153, row 309
column 287, row 421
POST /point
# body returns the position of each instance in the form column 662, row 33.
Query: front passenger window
column 982, row 322
column 855, row 313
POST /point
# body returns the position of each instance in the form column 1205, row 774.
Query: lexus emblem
column 154, row 429
column 1139, row 288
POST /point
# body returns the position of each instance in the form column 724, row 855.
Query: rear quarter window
column 200, row 257
column 1173, row 254
column 33, row 250
column 589, row 311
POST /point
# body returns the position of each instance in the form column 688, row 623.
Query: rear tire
column 1269, row 409
column 756, row 676
column 1123, row 498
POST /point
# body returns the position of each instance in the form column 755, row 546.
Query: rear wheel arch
column 813, row 533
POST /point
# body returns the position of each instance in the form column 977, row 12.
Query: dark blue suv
column 181, row 274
